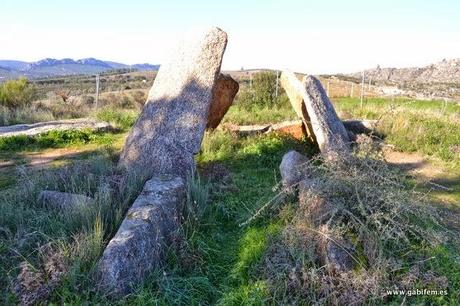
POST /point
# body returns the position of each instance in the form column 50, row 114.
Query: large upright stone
column 223, row 94
column 138, row 246
column 329, row 131
column 291, row 85
column 170, row 128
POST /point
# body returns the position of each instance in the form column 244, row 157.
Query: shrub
column 16, row 93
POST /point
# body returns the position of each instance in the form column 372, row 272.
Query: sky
column 321, row 36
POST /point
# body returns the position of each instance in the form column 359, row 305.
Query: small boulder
column 314, row 206
column 223, row 94
column 335, row 252
column 291, row 168
column 63, row 200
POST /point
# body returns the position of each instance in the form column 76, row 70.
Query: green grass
column 123, row 119
column 54, row 139
column 428, row 127
column 219, row 260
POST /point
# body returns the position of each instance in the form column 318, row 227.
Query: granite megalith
column 170, row 128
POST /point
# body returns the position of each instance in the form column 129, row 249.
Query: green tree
column 264, row 88
column 16, row 93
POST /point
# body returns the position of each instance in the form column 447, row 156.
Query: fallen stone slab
column 63, row 200
column 291, row 85
column 292, row 168
column 223, row 95
column 247, row 130
column 169, row 131
column 295, row 129
column 138, row 246
column 59, row 125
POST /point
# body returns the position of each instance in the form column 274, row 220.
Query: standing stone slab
column 170, row 128
column 222, row 98
column 330, row 134
column 292, row 85
column 137, row 248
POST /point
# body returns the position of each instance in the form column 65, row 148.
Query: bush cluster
column 16, row 93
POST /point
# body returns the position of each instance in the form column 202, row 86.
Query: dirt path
column 414, row 163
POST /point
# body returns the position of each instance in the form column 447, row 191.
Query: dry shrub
column 35, row 284
column 363, row 202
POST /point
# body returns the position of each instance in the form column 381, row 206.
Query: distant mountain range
column 446, row 71
column 50, row 67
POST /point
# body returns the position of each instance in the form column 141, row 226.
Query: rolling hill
column 50, row 67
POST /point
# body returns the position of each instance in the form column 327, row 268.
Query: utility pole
column 277, row 83
column 362, row 89
column 97, row 89
column 370, row 83
column 352, row 87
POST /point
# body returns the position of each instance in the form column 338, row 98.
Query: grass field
column 219, row 261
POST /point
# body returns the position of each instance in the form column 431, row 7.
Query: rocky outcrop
column 223, row 94
column 446, row 71
column 169, row 131
column 59, row 125
column 138, row 246
column 63, row 200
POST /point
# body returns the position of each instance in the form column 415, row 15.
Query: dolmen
column 161, row 146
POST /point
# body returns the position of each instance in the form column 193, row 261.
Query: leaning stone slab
column 170, row 128
column 138, row 246
column 59, row 125
column 63, row 200
column 223, row 94
column 319, row 114
column 292, row 85
column 329, row 131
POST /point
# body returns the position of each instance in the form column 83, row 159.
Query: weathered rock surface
column 338, row 255
column 59, row 125
column 170, row 128
column 63, row 200
column 315, row 207
column 138, row 246
column 335, row 252
column 223, row 94
column 329, row 131
column 292, row 168
column 293, row 88
column 317, row 112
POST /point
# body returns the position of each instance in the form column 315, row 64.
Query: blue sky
column 308, row 36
